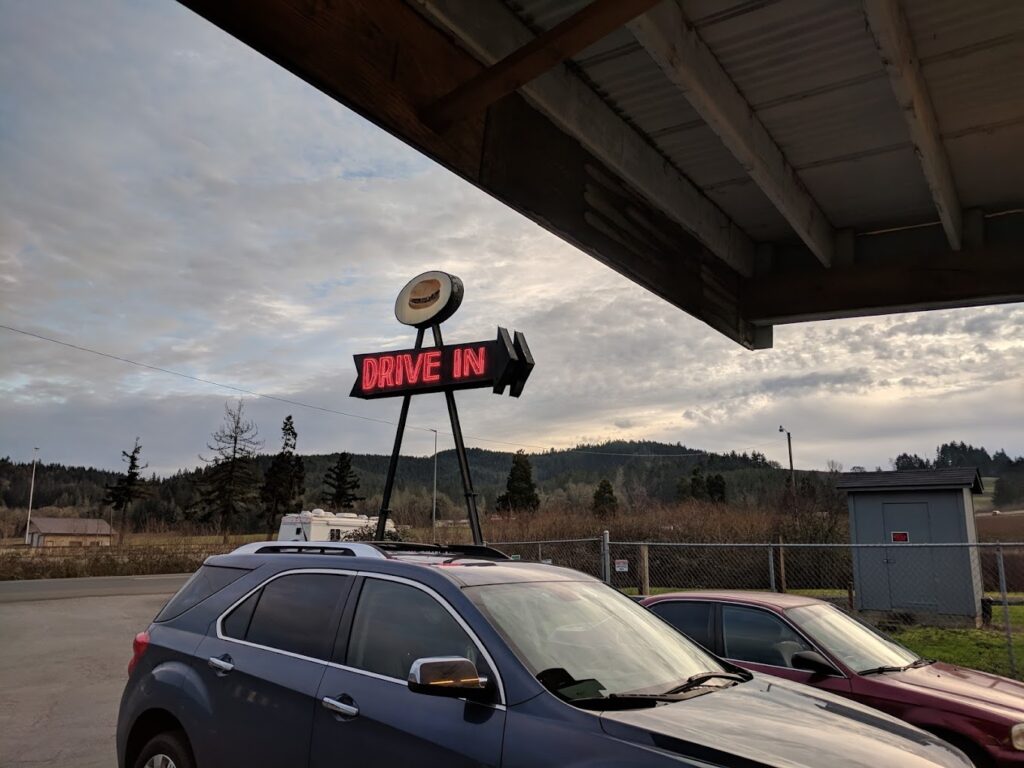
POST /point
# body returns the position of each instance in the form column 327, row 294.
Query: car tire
column 166, row 750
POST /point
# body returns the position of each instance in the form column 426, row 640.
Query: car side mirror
column 451, row 676
column 814, row 662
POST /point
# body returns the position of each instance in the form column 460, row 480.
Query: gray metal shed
column 902, row 511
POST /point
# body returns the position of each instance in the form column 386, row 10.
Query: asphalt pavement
column 64, row 650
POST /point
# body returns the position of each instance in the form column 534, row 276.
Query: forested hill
column 639, row 470
column 658, row 466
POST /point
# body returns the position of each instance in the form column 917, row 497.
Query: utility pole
column 792, row 474
column 433, row 510
column 31, row 491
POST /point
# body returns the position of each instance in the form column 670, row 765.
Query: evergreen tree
column 127, row 488
column 341, row 484
column 229, row 485
column 698, row 485
column 605, row 504
column 683, row 488
column 520, row 491
column 907, row 461
column 716, row 488
column 285, row 481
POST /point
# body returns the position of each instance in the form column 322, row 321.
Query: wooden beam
column 991, row 275
column 492, row 31
column 545, row 51
column 685, row 59
column 892, row 37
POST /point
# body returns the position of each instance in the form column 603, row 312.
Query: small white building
column 319, row 525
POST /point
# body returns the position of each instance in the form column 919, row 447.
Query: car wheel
column 166, row 750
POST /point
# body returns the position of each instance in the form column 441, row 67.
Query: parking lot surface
column 63, row 664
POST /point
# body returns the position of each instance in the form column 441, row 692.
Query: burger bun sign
column 429, row 299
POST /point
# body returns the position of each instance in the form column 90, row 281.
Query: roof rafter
column 563, row 41
column 891, row 34
column 492, row 31
column 687, row 61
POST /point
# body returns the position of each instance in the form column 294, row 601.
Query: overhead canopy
column 751, row 162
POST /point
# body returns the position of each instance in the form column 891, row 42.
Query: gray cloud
column 171, row 196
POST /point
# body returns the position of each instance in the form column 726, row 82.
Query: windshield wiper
column 699, row 679
column 921, row 663
column 880, row 670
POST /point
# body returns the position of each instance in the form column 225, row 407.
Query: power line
column 300, row 404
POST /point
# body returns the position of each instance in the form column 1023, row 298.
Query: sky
column 169, row 196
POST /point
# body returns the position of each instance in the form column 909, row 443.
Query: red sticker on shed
column 900, row 537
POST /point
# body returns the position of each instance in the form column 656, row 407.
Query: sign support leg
column 389, row 482
column 460, row 452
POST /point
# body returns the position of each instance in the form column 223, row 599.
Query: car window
column 858, row 646
column 208, row 580
column 294, row 613
column 757, row 636
column 691, row 618
column 395, row 624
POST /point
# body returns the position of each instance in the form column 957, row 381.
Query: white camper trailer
column 318, row 525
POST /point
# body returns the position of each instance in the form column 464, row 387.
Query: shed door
column 911, row 569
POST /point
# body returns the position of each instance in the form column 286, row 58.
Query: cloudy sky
column 170, row 196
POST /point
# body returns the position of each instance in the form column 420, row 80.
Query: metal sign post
column 504, row 363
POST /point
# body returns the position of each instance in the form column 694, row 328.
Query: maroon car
column 813, row 642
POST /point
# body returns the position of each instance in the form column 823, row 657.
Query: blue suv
column 287, row 655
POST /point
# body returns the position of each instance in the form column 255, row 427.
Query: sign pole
column 389, row 482
column 460, row 452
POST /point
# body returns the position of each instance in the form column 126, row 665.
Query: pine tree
column 285, row 481
column 229, row 485
column 341, row 484
column 698, row 485
column 683, row 489
column 128, row 487
column 520, row 490
column 716, row 488
column 605, row 504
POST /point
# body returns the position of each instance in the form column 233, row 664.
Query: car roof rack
column 344, row 548
column 374, row 549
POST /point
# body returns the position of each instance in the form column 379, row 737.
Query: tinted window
column 692, row 619
column 395, row 624
column 208, row 580
column 296, row 613
column 236, row 624
column 759, row 637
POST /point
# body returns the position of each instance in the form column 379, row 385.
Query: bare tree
column 230, row 485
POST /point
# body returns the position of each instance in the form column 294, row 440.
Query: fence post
column 606, row 557
column 645, row 570
column 782, row 566
column 1006, row 611
column 771, row 567
column 540, row 552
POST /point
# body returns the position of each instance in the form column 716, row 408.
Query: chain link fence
column 962, row 603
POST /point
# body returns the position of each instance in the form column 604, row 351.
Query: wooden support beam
column 891, row 33
column 685, row 59
column 990, row 275
column 545, row 51
column 492, row 31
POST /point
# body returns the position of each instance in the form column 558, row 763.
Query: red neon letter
column 474, row 361
column 387, row 371
column 457, row 363
column 369, row 374
column 412, row 370
column 432, row 366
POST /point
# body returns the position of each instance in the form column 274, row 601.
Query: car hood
column 767, row 722
column 990, row 693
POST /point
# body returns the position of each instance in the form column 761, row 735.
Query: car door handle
column 222, row 664
column 339, row 707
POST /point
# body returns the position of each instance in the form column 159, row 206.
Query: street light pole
column 433, row 510
column 31, row 492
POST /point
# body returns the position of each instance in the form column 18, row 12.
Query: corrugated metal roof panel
column 780, row 50
column 700, row 151
column 941, row 26
column 988, row 167
column 750, row 208
column 879, row 190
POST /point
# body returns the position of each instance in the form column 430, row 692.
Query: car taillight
column 139, row 646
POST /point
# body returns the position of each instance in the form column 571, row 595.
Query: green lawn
column 983, row 649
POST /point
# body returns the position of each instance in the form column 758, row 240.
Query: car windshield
column 857, row 645
column 585, row 640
